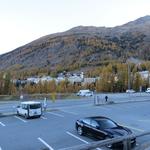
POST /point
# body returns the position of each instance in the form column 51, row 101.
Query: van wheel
column 18, row 113
column 26, row 116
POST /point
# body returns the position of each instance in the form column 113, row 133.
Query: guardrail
column 125, row 139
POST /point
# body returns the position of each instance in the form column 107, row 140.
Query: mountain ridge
column 82, row 46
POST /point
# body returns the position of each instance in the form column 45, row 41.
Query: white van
column 85, row 93
column 148, row 90
column 130, row 91
column 30, row 109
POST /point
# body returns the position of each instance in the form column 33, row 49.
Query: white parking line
column 72, row 146
column 48, row 146
column 43, row 118
column 66, row 148
column 55, row 114
column 98, row 149
column 74, row 106
column 0, row 148
column 69, row 112
column 104, row 108
column 20, row 119
column 77, row 137
column 2, row 124
column 144, row 120
column 136, row 129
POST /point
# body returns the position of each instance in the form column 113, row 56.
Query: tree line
column 114, row 77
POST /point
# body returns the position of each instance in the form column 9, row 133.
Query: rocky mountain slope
column 82, row 47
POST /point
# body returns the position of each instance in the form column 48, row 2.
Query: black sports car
column 102, row 128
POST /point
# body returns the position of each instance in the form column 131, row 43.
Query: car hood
column 120, row 131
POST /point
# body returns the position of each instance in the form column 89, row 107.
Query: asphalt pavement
column 55, row 130
column 9, row 107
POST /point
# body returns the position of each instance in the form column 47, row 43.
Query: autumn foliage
column 112, row 77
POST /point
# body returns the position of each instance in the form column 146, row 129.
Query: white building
column 46, row 79
column 144, row 74
column 59, row 79
column 89, row 81
column 75, row 79
column 33, row 80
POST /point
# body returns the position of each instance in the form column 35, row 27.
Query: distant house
column 144, row 74
column 75, row 79
column 60, row 79
column 19, row 82
column 72, row 78
column 61, row 75
column 89, row 81
column 46, row 78
column 34, row 80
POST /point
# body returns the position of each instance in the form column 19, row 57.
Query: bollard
column 127, row 144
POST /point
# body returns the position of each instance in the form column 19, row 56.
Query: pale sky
column 22, row 21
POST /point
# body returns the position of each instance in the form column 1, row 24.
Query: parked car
column 29, row 109
column 148, row 90
column 85, row 93
column 102, row 128
column 130, row 91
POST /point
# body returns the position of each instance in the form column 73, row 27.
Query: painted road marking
column 75, row 145
column 48, row 146
column 144, row 120
column 137, row 144
column 75, row 106
column 20, row 119
column 98, row 148
column 69, row 112
column 2, row 124
column 0, row 148
column 104, row 108
column 77, row 137
column 43, row 117
column 66, row 148
column 55, row 114
column 137, row 129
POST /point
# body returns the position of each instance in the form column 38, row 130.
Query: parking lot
column 55, row 130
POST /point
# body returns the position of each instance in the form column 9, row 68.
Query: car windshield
column 106, row 124
column 35, row 106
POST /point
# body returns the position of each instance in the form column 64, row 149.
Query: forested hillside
column 82, row 48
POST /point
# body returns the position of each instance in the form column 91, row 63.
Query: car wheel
column 80, row 131
column 109, row 145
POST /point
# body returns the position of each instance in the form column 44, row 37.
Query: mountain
column 82, row 47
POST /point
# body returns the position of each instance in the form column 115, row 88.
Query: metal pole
column 129, row 76
column 148, row 78
column 127, row 144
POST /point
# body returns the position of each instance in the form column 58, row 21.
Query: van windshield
column 35, row 106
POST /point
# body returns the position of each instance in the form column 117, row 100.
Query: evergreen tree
column 7, row 83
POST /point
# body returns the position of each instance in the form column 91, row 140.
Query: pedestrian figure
column 45, row 104
column 106, row 98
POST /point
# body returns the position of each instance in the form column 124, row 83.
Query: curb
column 113, row 102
